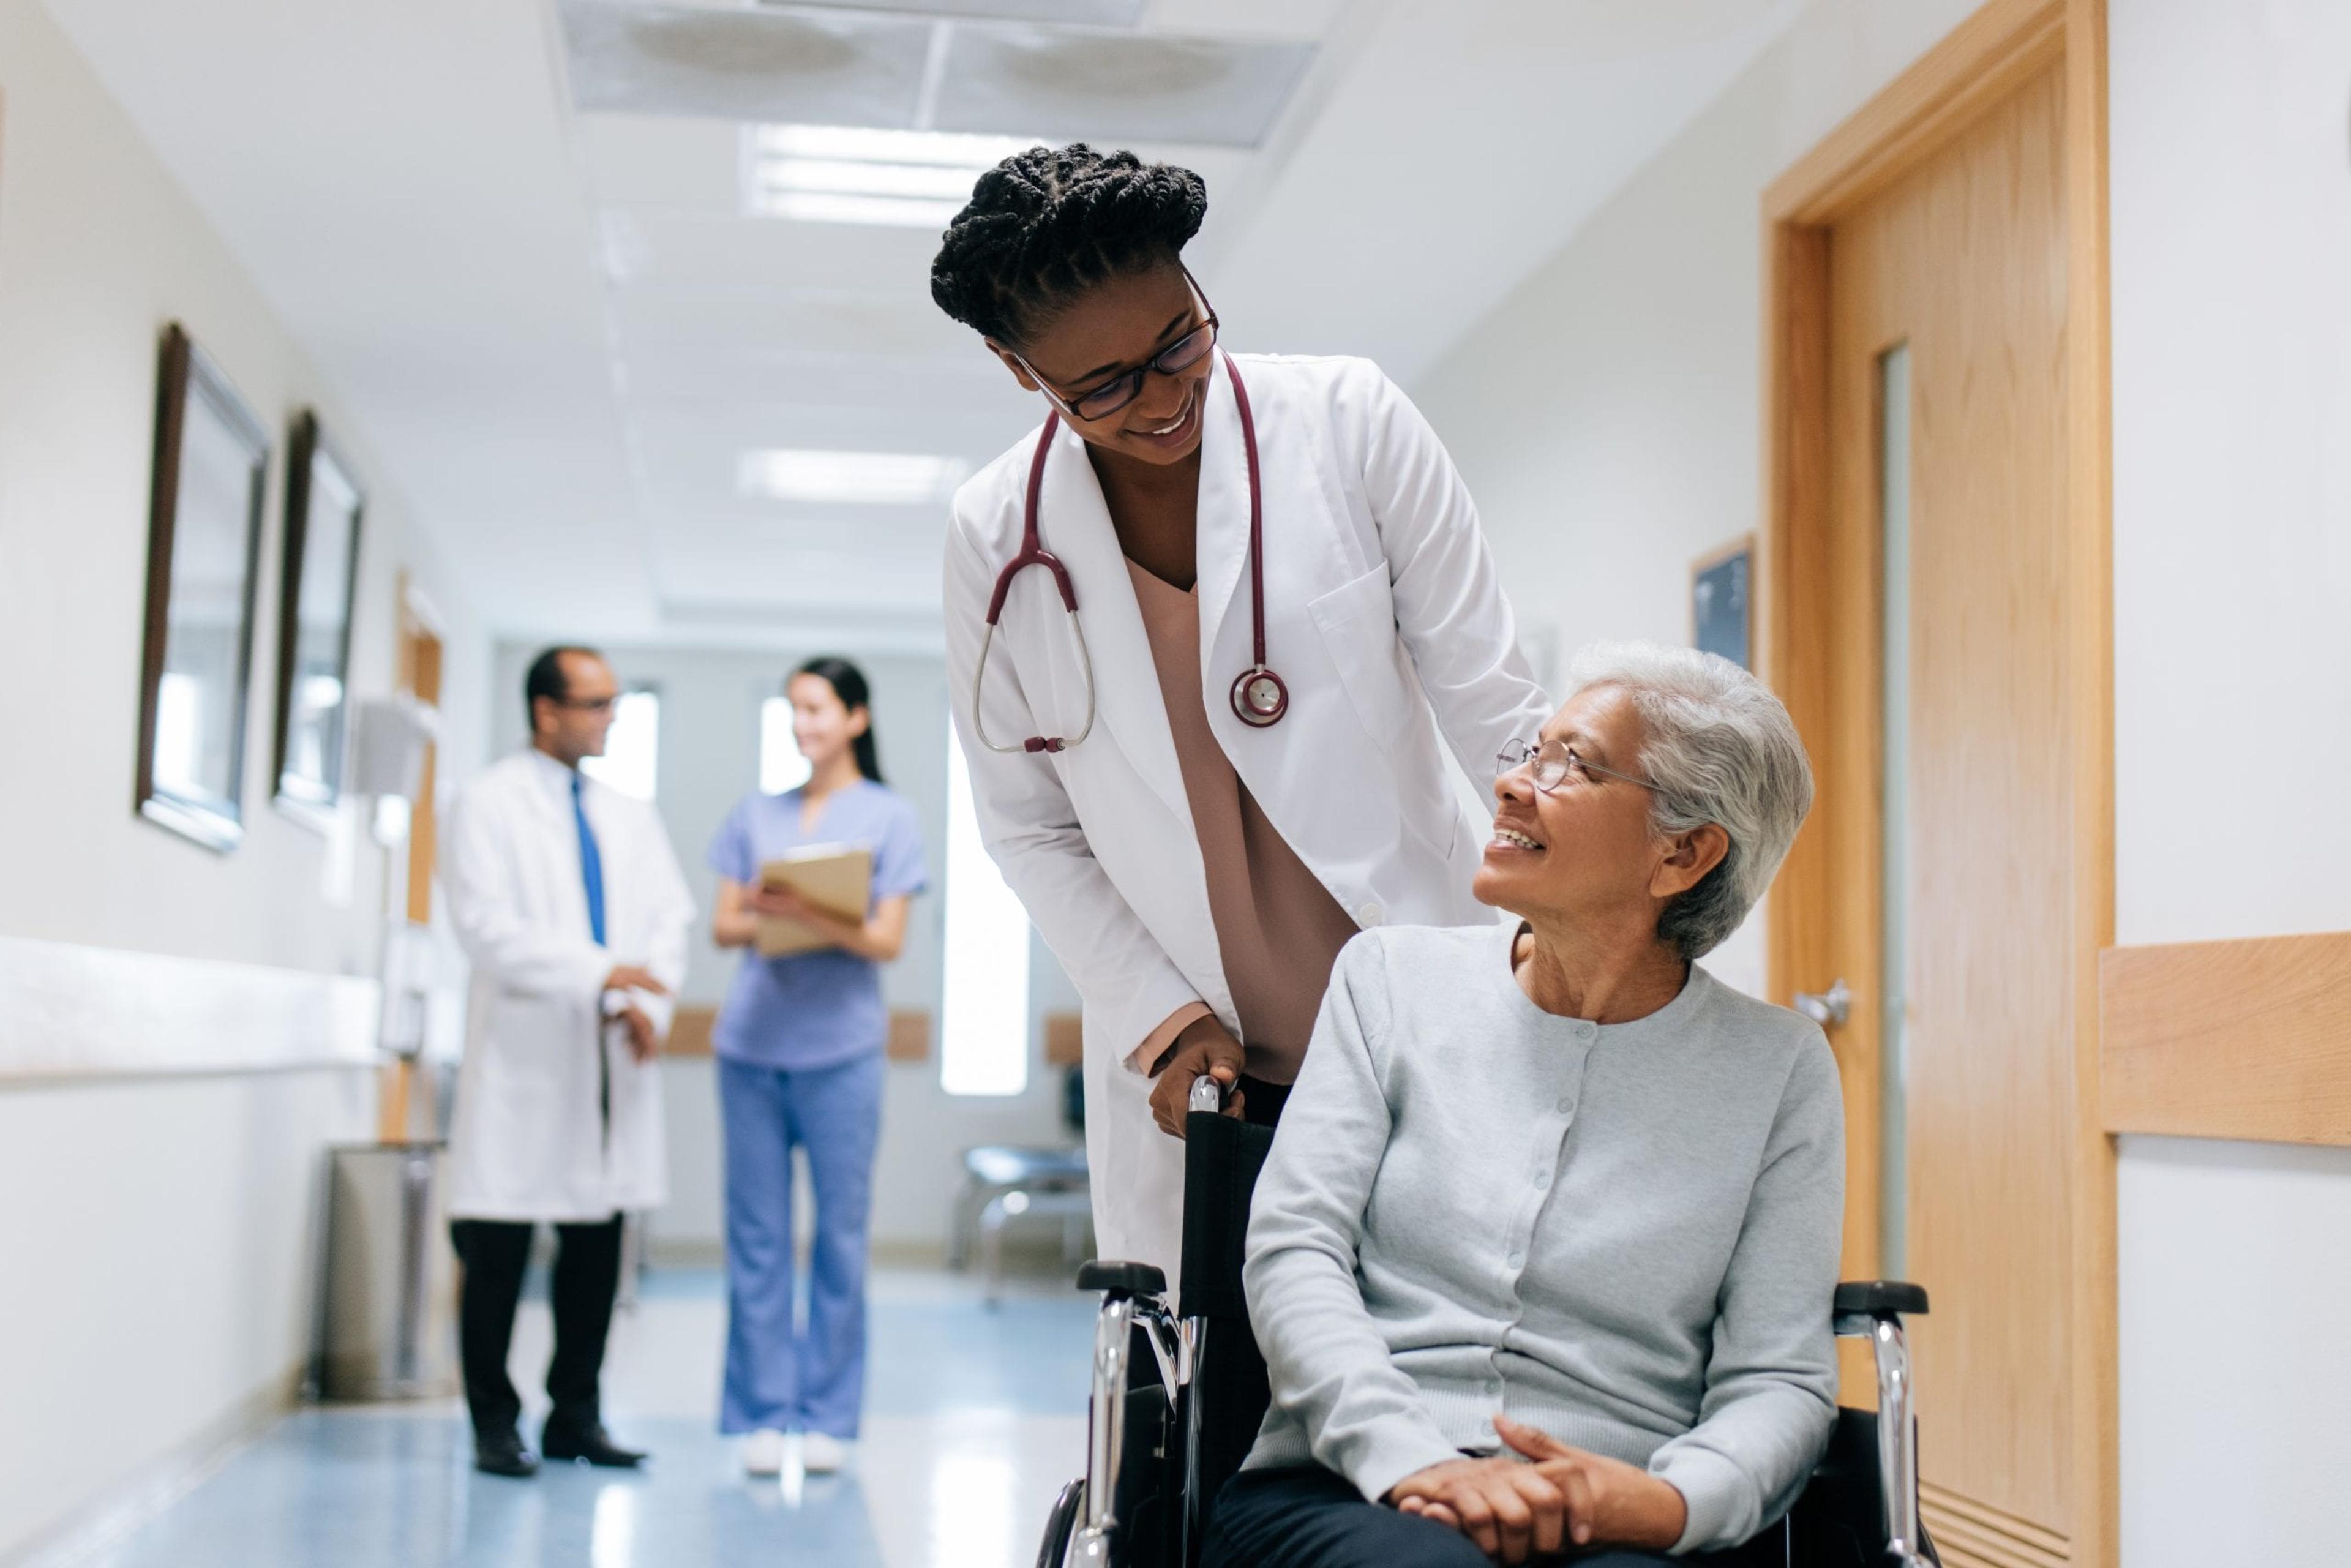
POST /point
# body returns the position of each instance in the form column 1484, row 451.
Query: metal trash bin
column 388, row 1320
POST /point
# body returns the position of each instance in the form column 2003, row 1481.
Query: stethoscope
column 1260, row 698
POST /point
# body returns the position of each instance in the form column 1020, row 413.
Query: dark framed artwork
column 1721, row 601
column 204, row 550
column 323, row 506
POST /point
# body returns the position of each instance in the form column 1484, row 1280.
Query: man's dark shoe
column 502, row 1454
column 587, row 1442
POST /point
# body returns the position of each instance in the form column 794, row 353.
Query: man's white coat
column 530, row 1139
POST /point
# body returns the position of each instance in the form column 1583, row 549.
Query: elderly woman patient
column 1542, row 1260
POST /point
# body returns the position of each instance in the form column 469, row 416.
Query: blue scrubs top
column 814, row 1009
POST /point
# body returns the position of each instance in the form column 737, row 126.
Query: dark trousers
column 1308, row 1517
column 587, row 1278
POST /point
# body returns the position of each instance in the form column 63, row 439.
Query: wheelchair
column 1178, row 1396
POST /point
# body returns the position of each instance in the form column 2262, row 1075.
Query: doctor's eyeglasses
column 1553, row 761
column 1124, row 388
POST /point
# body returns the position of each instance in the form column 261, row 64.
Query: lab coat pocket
column 1357, row 621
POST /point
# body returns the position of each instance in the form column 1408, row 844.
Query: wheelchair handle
column 1208, row 1096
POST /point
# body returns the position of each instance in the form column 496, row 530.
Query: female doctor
column 1206, row 628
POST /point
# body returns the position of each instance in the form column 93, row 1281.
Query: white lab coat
column 1386, row 618
column 529, row 1141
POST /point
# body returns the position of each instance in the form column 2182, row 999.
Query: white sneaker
column 822, row 1454
column 763, row 1452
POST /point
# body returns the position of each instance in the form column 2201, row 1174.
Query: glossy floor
column 975, row 1416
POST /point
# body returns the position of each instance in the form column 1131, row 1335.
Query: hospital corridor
column 1175, row 783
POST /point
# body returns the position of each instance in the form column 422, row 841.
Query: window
column 984, row 1044
column 781, row 765
column 631, row 758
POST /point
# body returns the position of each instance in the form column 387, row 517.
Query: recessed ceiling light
column 853, row 174
column 871, row 478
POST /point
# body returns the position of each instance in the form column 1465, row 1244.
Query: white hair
column 1721, row 748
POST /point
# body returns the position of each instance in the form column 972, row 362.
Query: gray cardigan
column 1626, row 1234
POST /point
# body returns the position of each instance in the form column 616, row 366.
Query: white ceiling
column 560, row 330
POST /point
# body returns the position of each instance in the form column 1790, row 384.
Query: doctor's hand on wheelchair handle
column 1202, row 1046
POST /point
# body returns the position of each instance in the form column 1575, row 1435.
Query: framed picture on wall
column 1721, row 601
column 323, row 506
column 203, row 545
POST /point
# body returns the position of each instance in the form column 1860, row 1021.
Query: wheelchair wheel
column 1060, row 1525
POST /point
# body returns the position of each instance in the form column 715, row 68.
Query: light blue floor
column 974, row 1416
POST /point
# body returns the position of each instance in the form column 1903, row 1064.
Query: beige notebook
column 836, row 878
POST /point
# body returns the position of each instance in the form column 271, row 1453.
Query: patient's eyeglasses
column 1553, row 760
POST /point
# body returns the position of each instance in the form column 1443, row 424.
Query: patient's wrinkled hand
column 1608, row 1502
column 1513, row 1511
column 1204, row 1046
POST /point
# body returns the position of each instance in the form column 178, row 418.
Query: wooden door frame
column 1993, row 52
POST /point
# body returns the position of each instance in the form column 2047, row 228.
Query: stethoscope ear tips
column 1259, row 699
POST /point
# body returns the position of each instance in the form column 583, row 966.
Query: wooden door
column 1936, row 615
column 417, row 671
column 1958, row 272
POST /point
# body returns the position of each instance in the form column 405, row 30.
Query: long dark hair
column 848, row 683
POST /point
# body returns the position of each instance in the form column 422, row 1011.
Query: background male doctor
column 568, row 898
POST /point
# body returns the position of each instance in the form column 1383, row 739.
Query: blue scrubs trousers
column 779, row 1374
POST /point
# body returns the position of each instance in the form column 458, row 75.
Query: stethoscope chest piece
column 1259, row 699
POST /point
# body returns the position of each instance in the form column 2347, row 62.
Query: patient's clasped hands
column 1521, row 1512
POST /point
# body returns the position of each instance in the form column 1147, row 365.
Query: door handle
column 1833, row 1005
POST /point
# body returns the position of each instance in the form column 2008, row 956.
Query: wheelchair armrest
column 1116, row 1278
column 1880, row 1298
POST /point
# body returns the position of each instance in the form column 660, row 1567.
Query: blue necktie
column 591, row 864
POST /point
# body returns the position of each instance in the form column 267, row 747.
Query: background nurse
column 800, row 1065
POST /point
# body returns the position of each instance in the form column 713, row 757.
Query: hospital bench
column 1001, row 1182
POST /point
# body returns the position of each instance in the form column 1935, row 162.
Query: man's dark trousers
column 587, row 1278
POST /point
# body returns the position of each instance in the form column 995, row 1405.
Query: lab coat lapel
column 1221, row 546
column 1076, row 526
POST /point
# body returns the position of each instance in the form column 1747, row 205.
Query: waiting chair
column 1178, row 1397
column 1002, row 1182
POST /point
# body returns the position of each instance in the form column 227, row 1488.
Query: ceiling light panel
column 831, row 67
column 1064, row 83
column 849, row 478
column 1103, row 13
column 850, row 174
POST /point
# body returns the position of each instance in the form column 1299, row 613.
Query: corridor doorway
column 1933, row 596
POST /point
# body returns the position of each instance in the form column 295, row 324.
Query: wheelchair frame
column 1083, row 1529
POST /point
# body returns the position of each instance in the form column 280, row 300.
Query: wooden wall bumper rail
column 2248, row 1038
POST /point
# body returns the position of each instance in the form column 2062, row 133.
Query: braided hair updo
column 1046, row 225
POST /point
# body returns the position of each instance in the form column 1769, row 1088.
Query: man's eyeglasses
column 1553, row 760
column 1124, row 388
column 587, row 705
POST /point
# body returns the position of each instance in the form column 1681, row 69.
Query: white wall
column 1607, row 417
column 156, row 1231
column 2232, row 207
column 708, row 761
